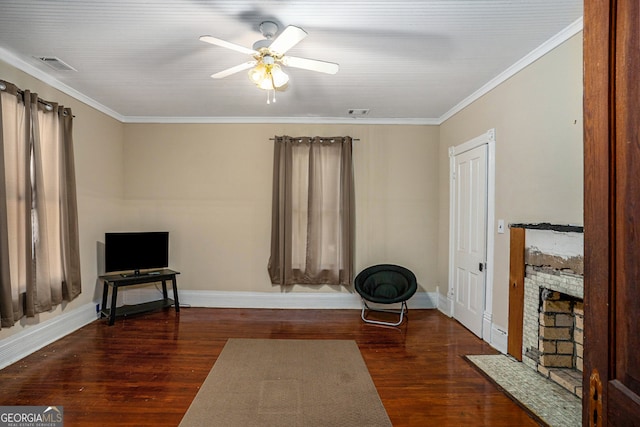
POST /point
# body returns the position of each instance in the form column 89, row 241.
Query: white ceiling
column 411, row 61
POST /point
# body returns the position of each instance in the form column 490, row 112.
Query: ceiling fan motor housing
column 268, row 29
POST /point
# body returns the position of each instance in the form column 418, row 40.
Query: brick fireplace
column 553, row 339
column 560, row 334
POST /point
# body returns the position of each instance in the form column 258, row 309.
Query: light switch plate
column 501, row 226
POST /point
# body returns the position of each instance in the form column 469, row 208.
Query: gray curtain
column 39, row 242
column 312, row 224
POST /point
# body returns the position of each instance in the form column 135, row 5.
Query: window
column 39, row 250
column 313, row 211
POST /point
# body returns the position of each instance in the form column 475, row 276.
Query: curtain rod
column 46, row 104
column 353, row 139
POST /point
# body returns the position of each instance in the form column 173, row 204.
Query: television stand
column 116, row 281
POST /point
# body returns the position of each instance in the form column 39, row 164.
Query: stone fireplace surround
column 552, row 339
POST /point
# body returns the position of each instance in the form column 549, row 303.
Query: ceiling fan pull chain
column 271, row 98
column 273, row 84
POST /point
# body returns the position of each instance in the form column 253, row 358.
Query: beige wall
column 210, row 186
column 537, row 116
column 99, row 175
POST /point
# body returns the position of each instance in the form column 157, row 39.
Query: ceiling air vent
column 56, row 63
column 358, row 112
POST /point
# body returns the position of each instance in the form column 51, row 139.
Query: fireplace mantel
column 562, row 228
column 544, row 257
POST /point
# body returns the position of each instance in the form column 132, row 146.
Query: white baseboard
column 487, row 324
column 274, row 300
column 38, row 336
column 445, row 305
column 499, row 339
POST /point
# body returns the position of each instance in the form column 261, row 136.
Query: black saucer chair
column 385, row 284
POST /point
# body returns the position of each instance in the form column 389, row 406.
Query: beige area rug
column 264, row 382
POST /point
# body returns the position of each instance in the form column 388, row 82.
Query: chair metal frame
column 401, row 312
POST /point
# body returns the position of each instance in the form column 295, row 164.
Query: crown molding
column 283, row 120
column 529, row 59
column 33, row 71
column 24, row 66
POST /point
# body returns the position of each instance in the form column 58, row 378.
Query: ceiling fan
column 269, row 57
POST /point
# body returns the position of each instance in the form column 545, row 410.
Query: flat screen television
column 135, row 251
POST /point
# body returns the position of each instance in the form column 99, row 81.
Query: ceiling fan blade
column 290, row 37
column 223, row 43
column 311, row 64
column 233, row 70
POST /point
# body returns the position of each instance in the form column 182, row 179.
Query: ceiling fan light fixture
column 279, row 78
column 268, row 76
column 258, row 73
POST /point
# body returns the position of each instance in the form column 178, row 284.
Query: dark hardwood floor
column 146, row 370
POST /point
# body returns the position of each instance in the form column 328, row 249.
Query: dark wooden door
column 612, row 212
